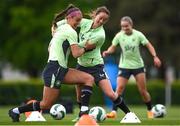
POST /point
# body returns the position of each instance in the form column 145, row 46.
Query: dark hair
column 65, row 12
column 99, row 10
column 128, row 19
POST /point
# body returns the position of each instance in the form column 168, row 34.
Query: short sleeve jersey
column 95, row 36
column 59, row 51
column 130, row 57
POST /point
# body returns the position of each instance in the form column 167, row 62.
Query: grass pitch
column 172, row 118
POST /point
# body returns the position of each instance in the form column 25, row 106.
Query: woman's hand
column 89, row 46
column 157, row 61
column 105, row 53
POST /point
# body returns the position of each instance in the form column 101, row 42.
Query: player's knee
column 89, row 80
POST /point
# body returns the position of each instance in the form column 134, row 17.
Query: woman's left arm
column 157, row 61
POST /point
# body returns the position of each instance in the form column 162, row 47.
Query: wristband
column 87, row 50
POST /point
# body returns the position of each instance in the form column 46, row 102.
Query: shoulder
column 61, row 22
column 67, row 29
column 139, row 33
column 85, row 21
column 101, row 30
column 101, row 33
column 119, row 34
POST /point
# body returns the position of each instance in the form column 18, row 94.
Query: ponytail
column 59, row 15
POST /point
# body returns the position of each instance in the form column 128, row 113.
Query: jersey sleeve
column 72, row 37
column 143, row 39
column 95, row 39
column 83, row 21
column 115, row 40
column 92, row 40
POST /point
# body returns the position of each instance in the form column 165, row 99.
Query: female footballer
column 131, row 62
column 56, row 70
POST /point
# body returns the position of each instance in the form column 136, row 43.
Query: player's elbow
column 75, row 55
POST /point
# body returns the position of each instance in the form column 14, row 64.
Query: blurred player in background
column 131, row 62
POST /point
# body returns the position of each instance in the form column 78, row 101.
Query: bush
column 14, row 93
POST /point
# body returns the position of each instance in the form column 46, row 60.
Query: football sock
column 84, row 108
column 34, row 106
column 85, row 95
column 149, row 105
column 119, row 102
column 114, row 107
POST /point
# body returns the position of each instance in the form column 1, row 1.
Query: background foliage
column 25, row 28
column 14, row 93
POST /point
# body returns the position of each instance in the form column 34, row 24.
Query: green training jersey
column 94, row 36
column 59, row 50
column 130, row 56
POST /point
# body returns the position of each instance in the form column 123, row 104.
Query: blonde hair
column 128, row 19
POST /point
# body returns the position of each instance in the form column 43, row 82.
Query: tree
column 26, row 31
column 158, row 20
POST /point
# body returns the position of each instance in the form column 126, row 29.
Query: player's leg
column 103, row 82
column 78, row 95
column 117, row 100
column 51, row 78
column 141, row 83
column 79, row 87
column 121, row 83
column 74, row 76
column 49, row 97
column 78, row 99
column 122, row 79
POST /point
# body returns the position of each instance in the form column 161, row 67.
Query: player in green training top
column 56, row 70
column 92, row 30
column 131, row 62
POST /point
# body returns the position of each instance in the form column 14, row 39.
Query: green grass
column 172, row 118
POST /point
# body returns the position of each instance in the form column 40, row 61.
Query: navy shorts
column 126, row 73
column 54, row 74
column 97, row 72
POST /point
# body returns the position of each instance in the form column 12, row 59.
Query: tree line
column 25, row 29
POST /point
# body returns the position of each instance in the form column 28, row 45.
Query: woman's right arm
column 157, row 61
column 110, row 50
column 78, row 51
